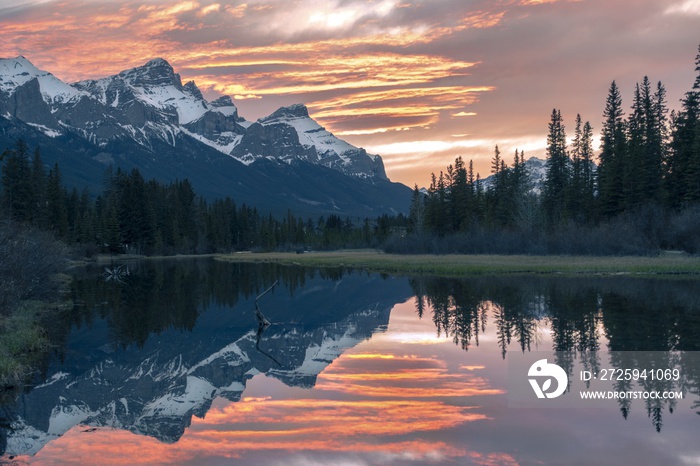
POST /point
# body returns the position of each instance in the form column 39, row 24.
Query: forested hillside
column 133, row 215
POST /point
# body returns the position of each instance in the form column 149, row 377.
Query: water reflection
column 581, row 316
column 171, row 360
column 630, row 314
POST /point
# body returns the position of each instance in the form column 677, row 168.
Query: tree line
column 643, row 195
column 133, row 215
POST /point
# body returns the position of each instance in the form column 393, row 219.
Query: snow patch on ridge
column 15, row 72
column 309, row 131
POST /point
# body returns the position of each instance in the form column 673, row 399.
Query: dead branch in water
column 263, row 323
column 262, row 320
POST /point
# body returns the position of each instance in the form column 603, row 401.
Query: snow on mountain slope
column 149, row 105
column 309, row 131
column 15, row 72
column 302, row 138
column 155, row 84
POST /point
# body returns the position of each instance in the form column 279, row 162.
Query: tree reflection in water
column 583, row 316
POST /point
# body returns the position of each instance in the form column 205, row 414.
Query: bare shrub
column 683, row 231
column 28, row 260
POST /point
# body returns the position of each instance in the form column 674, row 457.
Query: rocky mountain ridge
column 146, row 118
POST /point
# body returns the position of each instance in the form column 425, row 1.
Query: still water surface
column 168, row 365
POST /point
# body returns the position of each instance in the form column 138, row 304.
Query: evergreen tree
column 682, row 181
column 39, row 212
column 587, row 176
column 612, row 156
column 17, row 191
column 56, row 203
column 656, row 140
column 557, row 176
column 646, row 145
column 576, row 187
column 634, row 162
column 458, row 196
column 416, row 214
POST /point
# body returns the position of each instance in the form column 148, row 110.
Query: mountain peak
column 15, row 72
column 156, row 72
column 18, row 68
column 223, row 101
column 157, row 62
column 192, row 88
column 292, row 111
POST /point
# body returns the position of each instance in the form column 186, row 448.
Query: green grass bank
column 460, row 265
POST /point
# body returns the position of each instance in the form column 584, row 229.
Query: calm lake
column 167, row 364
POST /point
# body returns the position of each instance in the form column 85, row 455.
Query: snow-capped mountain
column 156, row 388
column 300, row 137
column 146, row 118
column 17, row 72
column 150, row 102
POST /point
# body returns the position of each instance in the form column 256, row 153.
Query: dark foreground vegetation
column 643, row 196
column 29, row 263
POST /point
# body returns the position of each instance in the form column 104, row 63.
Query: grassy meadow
column 460, row 265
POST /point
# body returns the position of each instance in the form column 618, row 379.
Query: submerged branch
column 262, row 320
column 263, row 323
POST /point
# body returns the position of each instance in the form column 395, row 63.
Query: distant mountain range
column 146, row 118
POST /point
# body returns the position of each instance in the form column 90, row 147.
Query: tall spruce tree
column 39, row 212
column 56, row 203
column 17, row 193
column 682, row 182
column 633, row 166
column 612, row 155
column 657, row 144
column 416, row 215
column 556, row 181
column 587, row 175
column 576, row 187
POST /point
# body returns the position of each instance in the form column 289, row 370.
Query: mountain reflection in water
column 357, row 368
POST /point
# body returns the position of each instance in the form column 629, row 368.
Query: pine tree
column 417, row 211
column 458, row 196
column 56, row 203
column 576, row 187
column 693, row 138
column 17, row 190
column 496, row 161
column 39, row 212
column 646, row 145
column 112, row 233
column 557, row 176
column 657, row 144
column 682, row 177
column 633, row 171
column 587, row 176
column 612, row 155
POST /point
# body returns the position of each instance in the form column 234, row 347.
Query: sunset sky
column 415, row 81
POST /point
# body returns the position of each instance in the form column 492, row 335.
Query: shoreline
column 668, row 264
